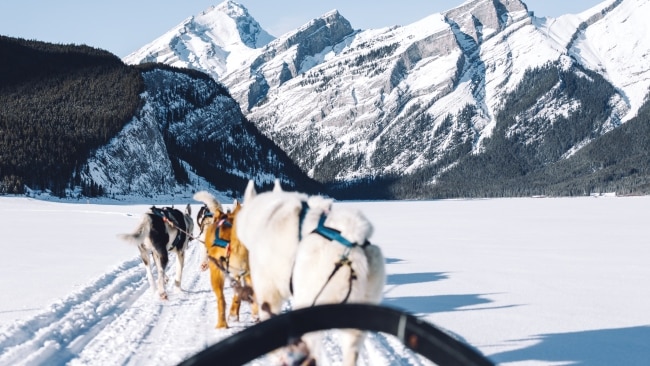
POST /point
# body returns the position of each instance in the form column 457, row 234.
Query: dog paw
column 164, row 296
column 298, row 354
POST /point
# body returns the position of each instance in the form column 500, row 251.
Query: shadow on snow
column 600, row 347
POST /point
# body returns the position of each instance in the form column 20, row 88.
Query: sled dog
column 226, row 258
column 162, row 230
column 310, row 251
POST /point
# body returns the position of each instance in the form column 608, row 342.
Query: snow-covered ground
column 533, row 281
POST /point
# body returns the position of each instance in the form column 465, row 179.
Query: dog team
column 275, row 247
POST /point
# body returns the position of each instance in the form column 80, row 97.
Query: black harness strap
column 353, row 276
column 204, row 212
column 245, row 292
column 301, row 218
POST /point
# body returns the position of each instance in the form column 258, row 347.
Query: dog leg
column 255, row 314
column 308, row 349
column 235, row 305
column 297, row 354
column 180, row 261
column 162, row 277
column 271, row 308
column 144, row 255
column 217, row 280
column 351, row 342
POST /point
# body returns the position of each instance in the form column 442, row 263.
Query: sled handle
column 278, row 331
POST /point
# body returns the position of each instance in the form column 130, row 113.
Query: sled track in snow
column 59, row 332
column 118, row 320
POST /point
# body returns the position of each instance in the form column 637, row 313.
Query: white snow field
column 527, row 281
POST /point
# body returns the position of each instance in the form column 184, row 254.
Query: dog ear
column 188, row 210
column 250, row 192
column 277, row 187
column 236, row 206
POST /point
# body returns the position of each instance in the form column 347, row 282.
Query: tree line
column 57, row 104
column 510, row 166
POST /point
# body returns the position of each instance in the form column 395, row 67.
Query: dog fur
column 225, row 263
column 162, row 230
column 290, row 261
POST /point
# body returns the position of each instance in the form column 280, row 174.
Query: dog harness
column 218, row 242
column 167, row 215
column 204, row 212
column 330, row 234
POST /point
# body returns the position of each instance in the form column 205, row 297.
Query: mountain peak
column 229, row 13
column 231, row 8
column 208, row 41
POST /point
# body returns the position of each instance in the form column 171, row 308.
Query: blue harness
column 218, row 242
column 331, row 234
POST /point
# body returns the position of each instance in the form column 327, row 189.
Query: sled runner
column 285, row 328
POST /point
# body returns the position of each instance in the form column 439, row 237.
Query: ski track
column 117, row 320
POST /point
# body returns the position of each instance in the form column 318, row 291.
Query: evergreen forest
column 57, row 104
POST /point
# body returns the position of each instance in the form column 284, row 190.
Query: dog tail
column 209, row 200
column 137, row 237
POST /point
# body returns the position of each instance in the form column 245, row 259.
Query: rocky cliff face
column 189, row 134
column 417, row 101
column 285, row 58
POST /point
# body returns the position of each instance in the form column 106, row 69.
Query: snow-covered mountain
column 216, row 40
column 415, row 100
column 188, row 135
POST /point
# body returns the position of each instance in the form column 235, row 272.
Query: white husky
column 296, row 243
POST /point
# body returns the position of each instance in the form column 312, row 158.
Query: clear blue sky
column 123, row 26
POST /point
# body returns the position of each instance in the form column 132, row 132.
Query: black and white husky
column 162, row 230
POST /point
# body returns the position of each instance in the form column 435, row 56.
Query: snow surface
column 528, row 281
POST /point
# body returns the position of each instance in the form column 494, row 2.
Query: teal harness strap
column 335, row 235
column 331, row 234
column 218, row 242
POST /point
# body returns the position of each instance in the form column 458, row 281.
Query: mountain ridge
column 482, row 100
column 403, row 100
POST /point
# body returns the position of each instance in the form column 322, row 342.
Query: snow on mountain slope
column 214, row 41
column 188, row 130
column 617, row 47
column 403, row 86
column 351, row 104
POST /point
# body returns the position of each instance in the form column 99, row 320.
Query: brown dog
column 226, row 258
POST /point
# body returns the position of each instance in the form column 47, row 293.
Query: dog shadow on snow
column 599, row 347
column 433, row 303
